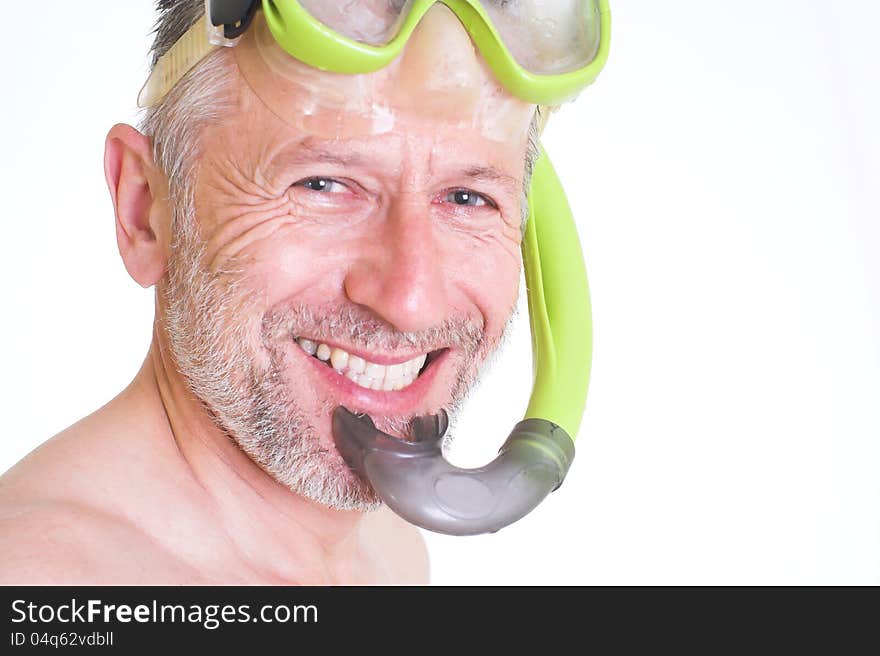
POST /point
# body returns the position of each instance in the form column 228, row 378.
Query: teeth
column 356, row 364
column 308, row 346
column 374, row 371
column 394, row 371
column 339, row 359
column 323, row 352
column 362, row 372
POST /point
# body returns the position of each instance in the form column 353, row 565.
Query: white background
column 725, row 175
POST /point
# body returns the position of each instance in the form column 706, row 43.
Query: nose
column 400, row 275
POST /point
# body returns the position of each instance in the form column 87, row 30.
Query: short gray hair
column 203, row 95
column 200, row 97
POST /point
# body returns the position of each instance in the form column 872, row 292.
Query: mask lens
column 374, row 22
column 548, row 37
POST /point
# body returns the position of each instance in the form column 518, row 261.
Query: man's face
column 375, row 271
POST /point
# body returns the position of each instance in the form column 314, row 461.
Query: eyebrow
column 491, row 174
column 309, row 151
column 312, row 150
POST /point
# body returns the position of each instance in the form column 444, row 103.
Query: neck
column 258, row 515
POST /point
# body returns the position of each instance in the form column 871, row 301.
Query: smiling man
column 315, row 240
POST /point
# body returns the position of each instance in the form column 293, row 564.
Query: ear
column 136, row 188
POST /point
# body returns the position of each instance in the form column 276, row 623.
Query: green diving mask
column 541, row 52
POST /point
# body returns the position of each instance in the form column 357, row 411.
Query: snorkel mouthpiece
column 419, row 484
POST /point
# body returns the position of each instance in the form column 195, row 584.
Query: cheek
column 305, row 262
column 488, row 274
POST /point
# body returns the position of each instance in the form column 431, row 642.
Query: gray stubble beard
column 249, row 401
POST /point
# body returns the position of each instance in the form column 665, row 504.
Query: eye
column 324, row 185
column 468, row 198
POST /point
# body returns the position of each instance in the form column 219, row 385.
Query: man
column 299, row 265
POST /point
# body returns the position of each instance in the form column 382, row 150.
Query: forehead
column 438, row 86
column 259, row 147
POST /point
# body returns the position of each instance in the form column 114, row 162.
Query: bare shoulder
column 402, row 546
column 56, row 543
column 48, row 543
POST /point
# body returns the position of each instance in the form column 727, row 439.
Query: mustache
column 365, row 330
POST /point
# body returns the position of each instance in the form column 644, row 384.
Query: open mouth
column 366, row 374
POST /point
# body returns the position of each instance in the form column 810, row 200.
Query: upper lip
column 384, row 358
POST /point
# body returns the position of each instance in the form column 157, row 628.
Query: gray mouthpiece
column 415, row 480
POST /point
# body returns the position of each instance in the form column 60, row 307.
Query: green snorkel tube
column 414, row 478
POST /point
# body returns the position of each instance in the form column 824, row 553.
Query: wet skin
column 409, row 228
